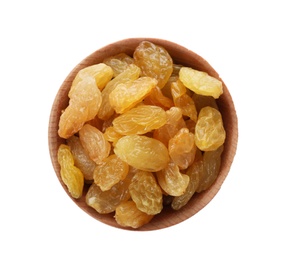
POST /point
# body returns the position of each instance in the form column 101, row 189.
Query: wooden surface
column 182, row 56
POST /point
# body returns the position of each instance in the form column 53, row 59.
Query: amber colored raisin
column 81, row 158
column 94, row 143
column 70, row 174
column 127, row 95
column 171, row 180
column 131, row 73
column 142, row 152
column 140, row 120
column 200, row 82
column 209, row 129
column 100, row 72
column 154, row 61
column 111, row 171
column 146, row 193
column 174, row 123
column 128, row 215
column 106, row 201
column 182, row 148
column 119, row 62
column 157, row 98
column 84, row 104
column 211, row 168
column 193, row 172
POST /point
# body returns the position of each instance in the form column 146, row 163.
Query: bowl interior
column 180, row 55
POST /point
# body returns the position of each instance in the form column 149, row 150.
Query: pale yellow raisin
column 142, row 152
column 200, row 82
column 106, row 201
column 171, row 180
column 111, row 171
column 100, row 72
column 209, row 129
column 70, row 174
column 140, row 120
column 146, row 193
column 94, row 142
column 127, row 95
column 128, row 215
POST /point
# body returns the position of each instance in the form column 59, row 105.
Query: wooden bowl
column 180, row 55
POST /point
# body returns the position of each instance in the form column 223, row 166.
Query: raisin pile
column 140, row 131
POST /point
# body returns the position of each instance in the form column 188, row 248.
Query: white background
column 42, row 41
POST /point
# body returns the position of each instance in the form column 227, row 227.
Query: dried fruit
column 200, row 82
column 141, row 152
column 128, row 215
column 211, row 168
column 146, row 193
column 127, row 95
column 100, row 72
column 209, row 130
column 84, row 104
column 119, row 62
column 106, row 201
column 140, row 120
column 129, row 75
column 70, row 174
column 194, row 172
column 145, row 132
column 81, row 158
column 182, row 148
column 173, row 124
column 111, row 171
column 172, row 181
column 94, row 143
column 154, row 61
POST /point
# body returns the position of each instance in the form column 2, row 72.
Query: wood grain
column 180, row 55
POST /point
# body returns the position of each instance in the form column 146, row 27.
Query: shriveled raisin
column 128, row 215
column 200, row 82
column 119, row 62
column 70, row 174
column 100, row 72
column 211, row 168
column 194, row 172
column 154, row 61
column 106, row 201
column 182, row 148
column 171, row 180
column 94, row 142
column 82, row 159
column 127, row 95
column 146, row 193
column 131, row 73
column 209, row 129
column 84, row 104
column 142, row 152
column 140, row 120
column 111, row 171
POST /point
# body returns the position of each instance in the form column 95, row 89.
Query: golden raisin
column 146, row 193
column 209, row 130
column 127, row 95
column 200, row 82
column 82, row 159
column 70, row 174
column 142, row 152
column 154, row 61
column 128, row 215
column 140, row 120
column 94, row 143
column 111, row 171
column 171, row 180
